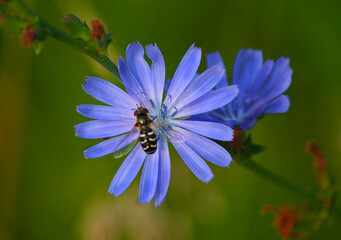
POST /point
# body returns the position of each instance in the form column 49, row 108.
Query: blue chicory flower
column 145, row 86
column 260, row 84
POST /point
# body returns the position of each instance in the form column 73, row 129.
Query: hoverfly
column 147, row 136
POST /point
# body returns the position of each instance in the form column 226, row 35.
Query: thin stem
column 274, row 178
column 268, row 175
column 67, row 39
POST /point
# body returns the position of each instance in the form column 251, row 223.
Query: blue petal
column 262, row 74
column 158, row 70
column 278, row 80
column 167, row 84
column 103, row 128
column 149, row 177
column 279, row 105
column 109, row 146
column 215, row 59
column 246, row 66
column 211, row 101
column 108, row 93
column 140, row 68
column 193, row 161
column 164, row 172
column 206, row 148
column 247, row 123
column 213, row 130
column 132, row 86
column 200, row 86
column 232, row 123
column 105, row 112
column 202, row 117
column 128, row 171
column 185, row 72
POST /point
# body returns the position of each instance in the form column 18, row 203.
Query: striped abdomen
column 148, row 141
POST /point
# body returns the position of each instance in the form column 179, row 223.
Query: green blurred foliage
column 49, row 191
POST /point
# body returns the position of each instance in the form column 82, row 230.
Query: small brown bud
column 28, row 36
column 97, row 31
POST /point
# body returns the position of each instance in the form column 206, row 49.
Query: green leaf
column 256, row 149
column 76, row 27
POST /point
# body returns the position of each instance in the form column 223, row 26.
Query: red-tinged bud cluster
column 286, row 218
column 320, row 164
column 28, row 35
column 237, row 144
column 320, row 161
column 97, row 31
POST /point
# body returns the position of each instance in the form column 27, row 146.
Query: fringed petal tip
column 158, row 202
column 77, row 109
column 113, row 194
column 85, row 155
column 250, row 52
column 152, row 46
column 227, row 162
column 208, row 179
column 144, row 201
column 194, row 47
column 135, row 45
column 120, row 61
column 90, row 79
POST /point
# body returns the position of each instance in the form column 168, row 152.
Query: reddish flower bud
column 320, row 164
column 320, row 161
column 97, row 31
column 236, row 143
column 286, row 217
column 28, row 36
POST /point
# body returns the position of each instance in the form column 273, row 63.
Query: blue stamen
column 176, row 111
column 153, row 105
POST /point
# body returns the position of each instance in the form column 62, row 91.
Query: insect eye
column 135, row 113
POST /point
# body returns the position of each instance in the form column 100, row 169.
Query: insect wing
column 176, row 136
column 125, row 150
column 126, row 144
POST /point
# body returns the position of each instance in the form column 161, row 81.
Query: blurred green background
column 49, row 191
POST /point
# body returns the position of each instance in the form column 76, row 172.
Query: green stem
column 274, row 178
column 65, row 38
